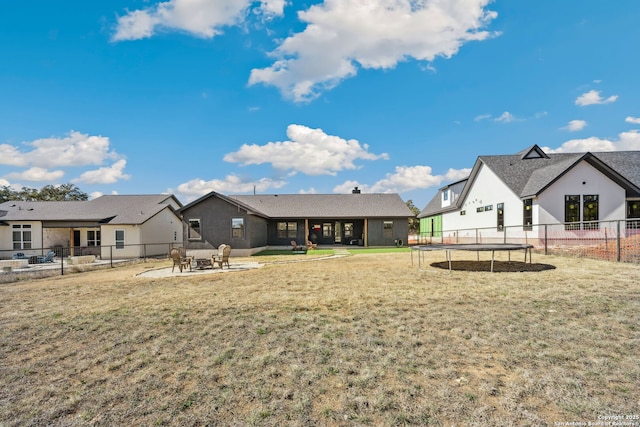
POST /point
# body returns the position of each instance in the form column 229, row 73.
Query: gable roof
column 531, row 171
column 120, row 209
column 375, row 205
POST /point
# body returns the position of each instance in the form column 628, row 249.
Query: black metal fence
column 609, row 240
column 38, row 261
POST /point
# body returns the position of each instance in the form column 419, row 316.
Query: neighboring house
column 250, row 223
column 532, row 187
column 122, row 226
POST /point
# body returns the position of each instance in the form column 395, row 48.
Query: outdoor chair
column 179, row 259
column 295, row 247
column 47, row 258
column 222, row 257
column 20, row 255
column 311, row 245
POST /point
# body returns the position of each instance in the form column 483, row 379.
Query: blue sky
column 275, row 96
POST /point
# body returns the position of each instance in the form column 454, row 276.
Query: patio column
column 366, row 232
column 306, row 231
column 73, row 243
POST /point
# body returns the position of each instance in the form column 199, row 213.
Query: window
column 480, row 209
column 287, row 230
column 348, row 230
column 22, row 236
column 93, row 238
column 572, row 212
column 445, row 195
column 590, row 211
column 500, row 216
column 387, row 229
column 327, row 231
column 463, row 212
column 488, row 208
column 527, row 214
column 633, row 211
column 119, row 239
column 237, row 228
column 194, row 230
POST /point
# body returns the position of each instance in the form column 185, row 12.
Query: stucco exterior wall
column 582, row 180
column 163, row 228
column 132, row 242
column 6, row 240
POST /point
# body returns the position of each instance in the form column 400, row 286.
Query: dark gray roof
column 529, row 172
column 326, row 205
column 120, row 209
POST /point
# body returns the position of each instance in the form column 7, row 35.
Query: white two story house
column 517, row 194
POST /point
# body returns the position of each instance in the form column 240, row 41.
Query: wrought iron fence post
column 618, row 242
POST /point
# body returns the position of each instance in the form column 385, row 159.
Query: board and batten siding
column 487, row 191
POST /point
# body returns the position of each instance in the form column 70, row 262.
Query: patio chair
column 180, row 259
column 222, row 257
column 47, row 258
column 311, row 245
column 295, row 247
column 19, row 255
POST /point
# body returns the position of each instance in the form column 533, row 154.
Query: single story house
column 119, row 226
column 532, row 188
column 250, row 223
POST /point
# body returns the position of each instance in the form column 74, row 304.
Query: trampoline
column 477, row 247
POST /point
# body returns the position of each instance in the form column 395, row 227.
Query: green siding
column 431, row 226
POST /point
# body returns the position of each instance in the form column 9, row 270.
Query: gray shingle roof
column 528, row 177
column 120, row 209
column 327, row 205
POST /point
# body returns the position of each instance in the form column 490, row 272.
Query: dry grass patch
column 362, row 340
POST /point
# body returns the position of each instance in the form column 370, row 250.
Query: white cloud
column 575, row 125
column 200, row 18
column 405, row 178
column 104, row 175
column 76, row 149
column 506, row 117
column 308, row 151
column 627, row 141
column 37, row 174
column 232, row 184
column 593, row 97
column 481, row 117
column 4, row 183
column 342, row 35
column 634, row 120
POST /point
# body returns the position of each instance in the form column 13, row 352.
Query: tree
column 414, row 222
column 47, row 193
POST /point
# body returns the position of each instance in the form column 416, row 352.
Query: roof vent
column 355, row 190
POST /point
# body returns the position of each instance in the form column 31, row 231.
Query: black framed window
column 590, row 211
column 287, row 230
column 387, row 229
column 500, row 216
column 633, row 211
column 527, row 214
column 572, row 212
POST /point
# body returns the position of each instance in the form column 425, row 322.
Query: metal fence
column 16, row 263
column 608, row 240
